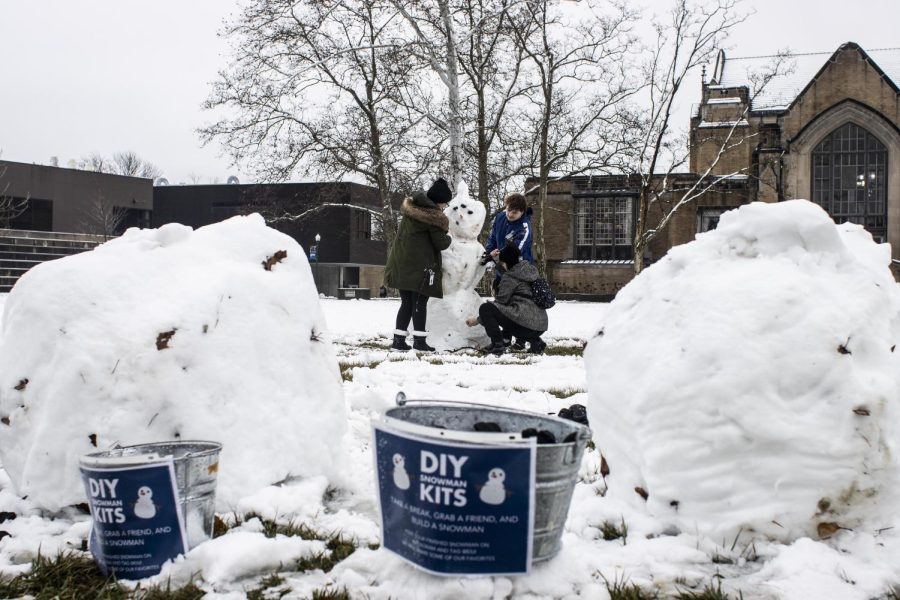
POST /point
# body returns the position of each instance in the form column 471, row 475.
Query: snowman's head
column 466, row 214
column 399, row 461
column 144, row 493
column 496, row 475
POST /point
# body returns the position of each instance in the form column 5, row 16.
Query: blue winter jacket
column 518, row 232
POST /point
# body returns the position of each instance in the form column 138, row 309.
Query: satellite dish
column 233, row 180
column 161, row 181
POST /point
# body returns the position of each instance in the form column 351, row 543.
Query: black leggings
column 499, row 326
column 413, row 305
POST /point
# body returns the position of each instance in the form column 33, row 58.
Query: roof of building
column 783, row 89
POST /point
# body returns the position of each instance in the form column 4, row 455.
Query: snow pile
column 462, row 270
column 749, row 381
column 213, row 334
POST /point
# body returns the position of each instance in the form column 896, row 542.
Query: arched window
column 850, row 178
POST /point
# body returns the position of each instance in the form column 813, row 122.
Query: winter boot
column 496, row 348
column 419, row 342
column 537, row 346
column 400, row 340
column 517, row 346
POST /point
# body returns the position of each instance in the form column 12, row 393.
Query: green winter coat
column 415, row 260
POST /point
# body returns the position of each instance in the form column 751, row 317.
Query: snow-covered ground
column 660, row 552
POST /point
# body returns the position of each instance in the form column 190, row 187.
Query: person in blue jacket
column 511, row 227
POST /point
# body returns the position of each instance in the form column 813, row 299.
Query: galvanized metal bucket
column 196, row 469
column 556, row 467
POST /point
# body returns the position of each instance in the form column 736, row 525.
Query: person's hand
column 495, row 253
column 472, row 321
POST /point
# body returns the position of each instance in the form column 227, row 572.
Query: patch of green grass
column 615, row 531
column 621, row 589
column 331, row 593
column 72, row 576
column 709, row 592
column 590, row 445
column 564, row 350
column 271, row 528
column 68, row 576
column 347, row 367
column 264, row 590
column 338, row 547
column 563, row 393
column 188, row 592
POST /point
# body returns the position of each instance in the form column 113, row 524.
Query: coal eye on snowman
column 471, row 213
column 462, row 205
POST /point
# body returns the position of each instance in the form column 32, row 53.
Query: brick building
column 828, row 131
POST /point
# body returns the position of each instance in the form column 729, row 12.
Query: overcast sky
column 99, row 76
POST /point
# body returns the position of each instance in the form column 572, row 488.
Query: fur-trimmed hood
column 429, row 216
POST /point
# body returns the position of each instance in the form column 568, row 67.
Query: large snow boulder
column 462, row 270
column 750, row 380
column 214, row 334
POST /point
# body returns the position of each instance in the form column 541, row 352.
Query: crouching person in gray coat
column 513, row 312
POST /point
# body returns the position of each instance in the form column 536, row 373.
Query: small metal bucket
column 556, row 466
column 196, row 469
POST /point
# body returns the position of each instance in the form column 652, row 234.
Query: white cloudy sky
column 98, row 76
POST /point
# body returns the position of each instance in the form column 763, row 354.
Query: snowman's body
column 144, row 507
column 493, row 491
column 401, row 477
column 462, row 270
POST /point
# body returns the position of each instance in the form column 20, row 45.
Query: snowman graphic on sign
column 401, row 477
column 493, row 492
column 144, row 508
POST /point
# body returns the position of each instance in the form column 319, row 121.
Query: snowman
column 493, row 492
column 144, row 507
column 401, row 477
column 462, row 270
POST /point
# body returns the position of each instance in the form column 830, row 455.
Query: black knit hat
column 510, row 255
column 439, row 192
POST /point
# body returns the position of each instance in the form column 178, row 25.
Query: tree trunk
column 456, row 125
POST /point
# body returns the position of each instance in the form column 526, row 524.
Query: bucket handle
column 402, row 400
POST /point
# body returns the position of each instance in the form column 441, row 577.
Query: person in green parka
column 414, row 265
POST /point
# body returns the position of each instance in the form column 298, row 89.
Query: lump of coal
column 543, row 436
column 576, row 412
column 489, row 426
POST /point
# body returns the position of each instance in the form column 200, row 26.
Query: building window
column 850, row 178
column 362, row 224
column 604, row 228
column 708, row 218
column 37, row 216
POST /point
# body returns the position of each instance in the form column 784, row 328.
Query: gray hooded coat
column 513, row 298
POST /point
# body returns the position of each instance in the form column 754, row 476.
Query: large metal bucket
column 196, row 469
column 556, row 465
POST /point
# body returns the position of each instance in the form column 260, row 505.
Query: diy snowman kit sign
column 452, row 506
column 137, row 520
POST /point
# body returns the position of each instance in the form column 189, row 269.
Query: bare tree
column 10, row 206
column 130, row 164
column 689, row 37
column 470, row 47
column 127, row 163
column 314, row 87
column 103, row 217
column 580, row 82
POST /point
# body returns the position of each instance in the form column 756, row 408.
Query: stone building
column 827, row 130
